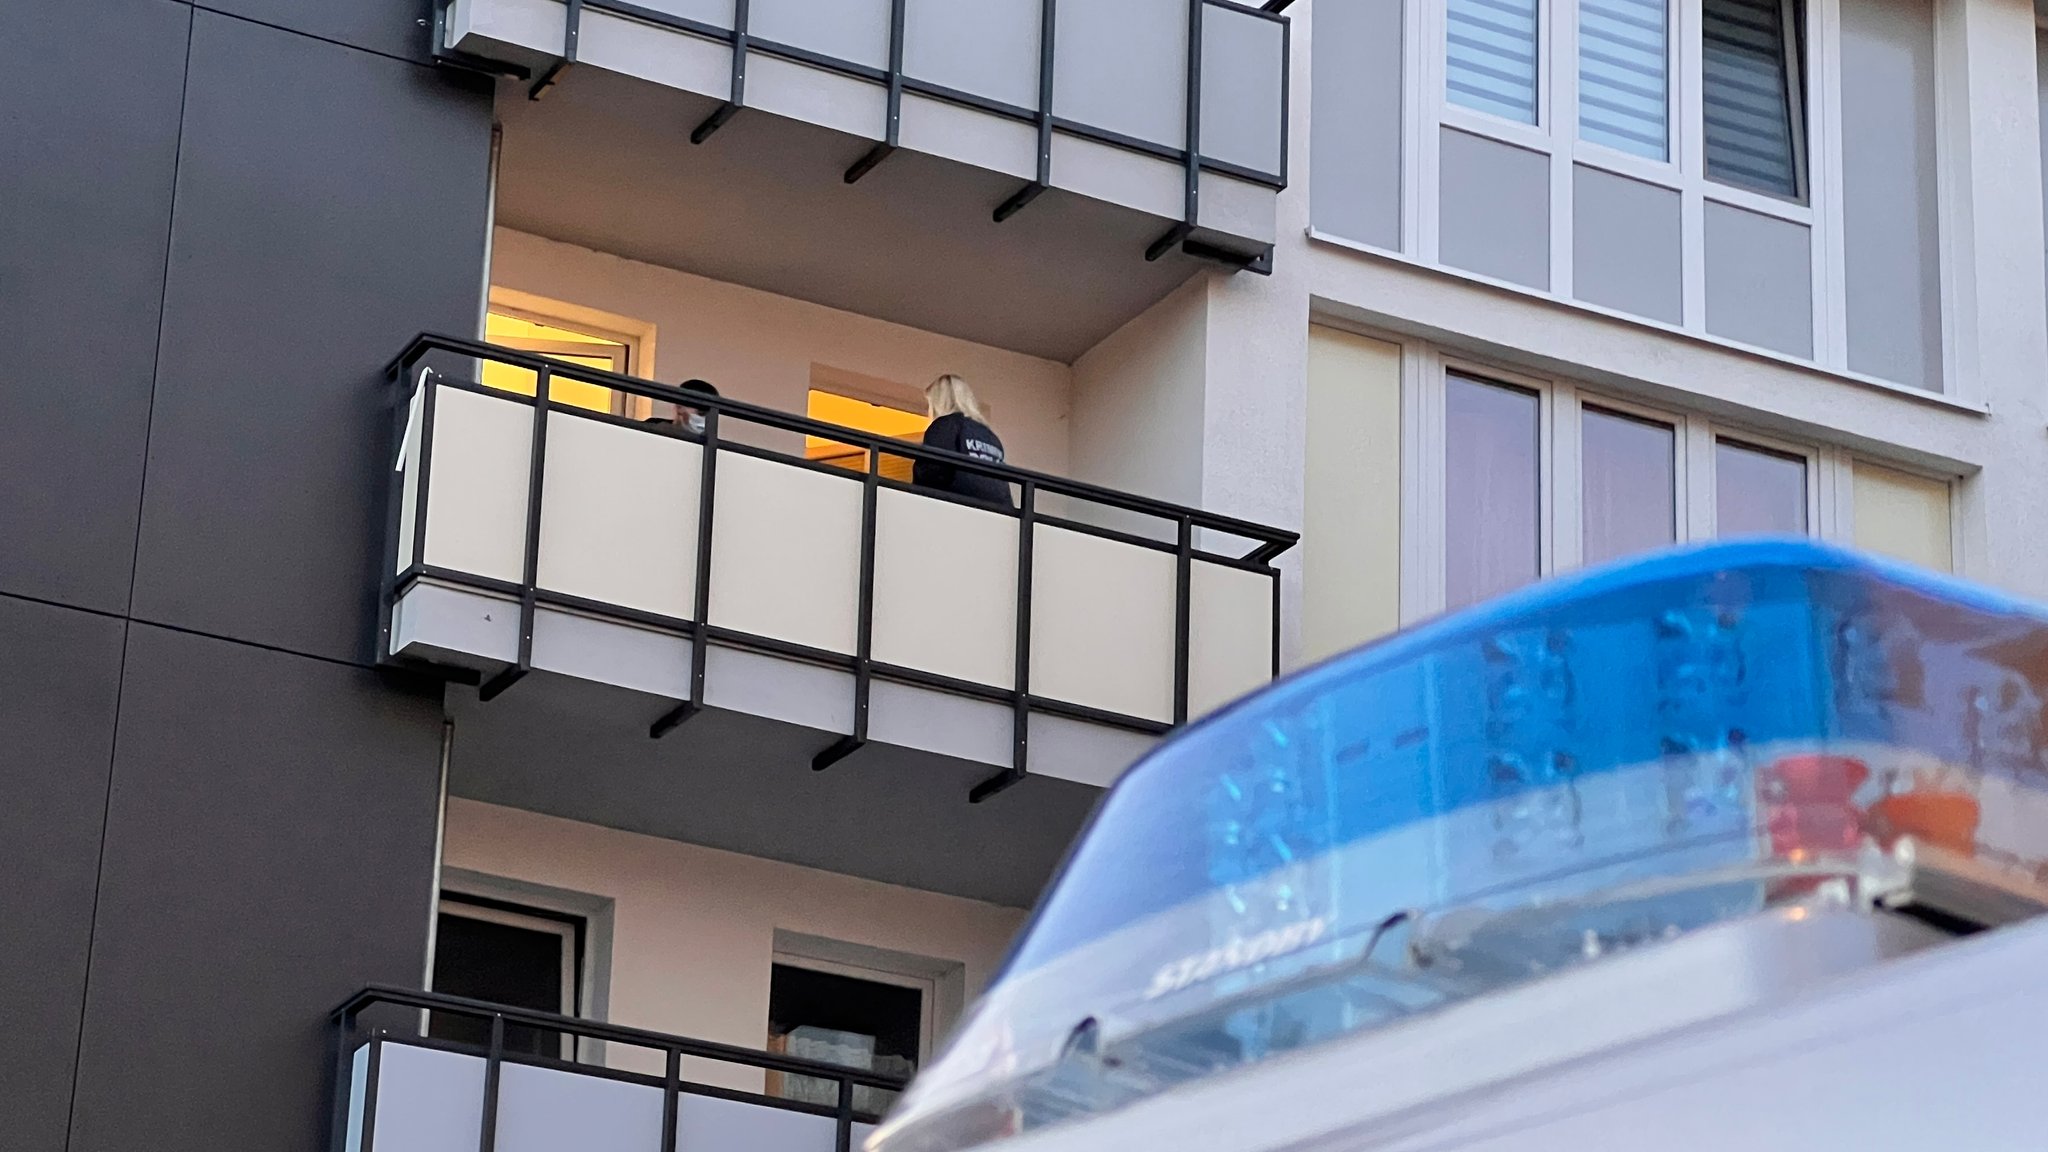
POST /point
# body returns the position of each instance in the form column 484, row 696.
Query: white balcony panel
column 476, row 503
column 1230, row 634
column 515, row 22
column 1122, row 65
column 1119, row 176
column 986, row 47
column 1237, row 207
column 632, row 48
column 715, row 1125
column 619, row 516
column 409, row 465
column 802, row 92
column 1085, row 753
column 1242, row 76
column 786, row 552
column 1102, row 623
column 971, row 137
column 958, row 726
column 455, row 622
column 945, row 588
column 610, row 652
column 786, row 690
column 545, row 1109
column 427, row 1100
column 856, row 30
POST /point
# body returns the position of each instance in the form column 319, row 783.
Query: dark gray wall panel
column 1494, row 209
column 88, row 141
column 1891, row 230
column 330, row 206
column 1626, row 245
column 1355, row 122
column 1759, row 280
column 59, row 675
column 393, row 27
column 269, row 850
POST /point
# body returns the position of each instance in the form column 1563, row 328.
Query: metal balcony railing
column 1223, row 604
column 394, row 1084
column 1248, row 44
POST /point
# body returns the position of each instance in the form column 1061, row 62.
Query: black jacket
column 972, row 438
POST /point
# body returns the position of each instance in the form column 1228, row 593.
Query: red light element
column 1808, row 804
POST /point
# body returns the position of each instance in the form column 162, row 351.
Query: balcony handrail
column 1272, row 541
column 394, row 996
column 345, row 1018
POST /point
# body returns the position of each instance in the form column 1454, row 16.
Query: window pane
column 1748, row 77
column 1490, row 486
column 1758, row 491
column 1491, row 57
column 1631, row 491
column 1623, row 68
column 1903, row 515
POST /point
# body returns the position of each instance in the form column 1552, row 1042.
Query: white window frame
column 1560, row 467
column 1556, row 136
column 927, row 988
column 453, row 903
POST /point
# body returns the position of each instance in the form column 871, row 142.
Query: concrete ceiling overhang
column 743, row 783
column 605, row 161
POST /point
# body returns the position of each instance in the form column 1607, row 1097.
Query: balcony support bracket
column 572, row 27
column 496, row 685
column 1017, row 203
column 870, row 161
column 1000, row 782
column 713, row 122
column 1165, row 244
column 841, row 748
column 672, row 719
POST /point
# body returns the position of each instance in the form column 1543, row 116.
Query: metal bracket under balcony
column 1175, row 108
column 724, row 569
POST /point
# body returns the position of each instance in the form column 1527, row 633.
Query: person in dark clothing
column 696, row 416
column 958, row 426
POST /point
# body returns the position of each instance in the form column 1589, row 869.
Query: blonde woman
column 958, row 426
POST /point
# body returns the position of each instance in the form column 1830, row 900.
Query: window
column 866, row 416
column 1624, row 85
column 506, row 954
column 1630, row 485
column 1758, row 491
column 1491, row 501
column 1491, row 56
column 848, row 1015
column 1905, row 516
column 1751, row 95
column 557, row 342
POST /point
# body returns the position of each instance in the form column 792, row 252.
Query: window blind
column 1491, row 57
column 1748, row 74
column 1624, row 75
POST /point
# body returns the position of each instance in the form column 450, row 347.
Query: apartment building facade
column 379, row 610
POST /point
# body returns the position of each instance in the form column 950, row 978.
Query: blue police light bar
column 1593, row 764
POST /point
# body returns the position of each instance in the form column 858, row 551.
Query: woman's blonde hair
column 949, row 394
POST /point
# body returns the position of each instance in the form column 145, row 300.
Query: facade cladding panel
column 59, row 675
column 88, row 144
column 269, row 850
column 330, row 205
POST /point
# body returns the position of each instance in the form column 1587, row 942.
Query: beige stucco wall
column 760, row 347
column 693, row 929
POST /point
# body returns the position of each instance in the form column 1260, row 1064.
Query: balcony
column 1015, row 172
column 836, row 611
column 538, row 1080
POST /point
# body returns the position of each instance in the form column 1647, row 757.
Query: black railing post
column 373, row 1075
column 1047, row 23
column 1191, row 207
column 738, row 97
column 426, row 467
column 864, row 622
column 671, row 1092
column 700, row 625
column 1183, row 612
column 344, row 1080
column 892, row 127
column 494, row 1064
column 394, row 504
column 842, row 1118
column 536, row 475
column 1020, row 688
